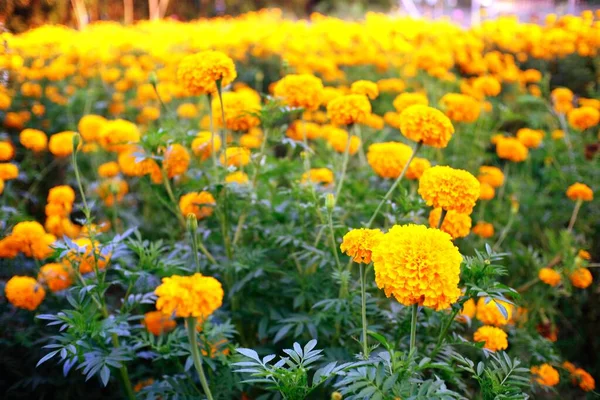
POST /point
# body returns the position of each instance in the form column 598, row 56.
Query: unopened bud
column 192, row 222
column 330, row 201
column 514, row 205
column 336, row 396
column 153, row 78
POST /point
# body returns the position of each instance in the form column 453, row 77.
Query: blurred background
column 20, row 15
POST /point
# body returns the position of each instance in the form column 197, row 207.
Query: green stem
column 344, row 167
column 169, row 190
column 198, row 245
column 191, row 331
column 574, row 215
column 445, row 330
column 504, row 231
column 212, row 138
column 396, row 183
column 413, row 328
column 363, row 298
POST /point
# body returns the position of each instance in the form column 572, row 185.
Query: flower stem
column 413, row 328
column 169, row 190
column 191, row 331
column 212, row 138
column 344, row 167
column 574, row 215
column 504, row 231
column 396, row 183
column 198, row 245
column 363, row 298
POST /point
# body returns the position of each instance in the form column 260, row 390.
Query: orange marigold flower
column 581, row 278
column 511, row 149
column 487, row 85
column 203, row 143
column 569, row 366
column 366, row 88
column 489, row 313
column 549, row 276
column 250, row 141
column 176, row 161
column 118, row 135
column 585, row 381
column 491, row 175
column 240, row 109
column 61, row 144
column 460, row 107
column 562, row 98
column 417, row 168
column 323, row 176
column 108, row 169
column 580, row 191
column 56, row 276
column 449, row 188
column 24, row 292
column 484, row 229
column 8, row 171
column 495, row 338
column 584, row 117
column 298, row 129
column 455, row 224
column 62, row 194
column 468, row 311
column 7, row 151
column 198, row 73
column 388, row 159
column 200, row 204
column 142, row 384
column 487, row 191
column 418, row 265
column 349, row 109
column 584, row 254
column 303, row 91
column 405, row 100
column 33, row 140
column 84, row 258
column 158, row 323
column 89, row 127
column 359, row 244
column 239, row 177
column 545, row 375
column 189, row 296
column 339, row 139
column 236, row 156
column 187, row 111
column 531, row 138
column 41, row 248
column 426, row 125
column 134, row 163
column 113, row 191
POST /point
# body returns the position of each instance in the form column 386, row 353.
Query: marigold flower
column 449, row 188
column 339, row 139
column 531, row 138
column 176, row 161
column 495, row 338
column 418, row 265
column 455, row 224
column 562, row 98
column 585, row 381
column 532, row 76
column 61, row 226
column 202, row 144
column 239, row 177
column 298, row 129
column 158, row 323
column 557, row 134
column 583, row 254
column 9, row 247
column 302, row 91
column 187, row 111
column 389, row 158
column 199, row 72
column 61, row 144
column 33, row 140
column 200, row 204
column 7, row 151
column 133, row 163
column 487, row 85
column 374, row 121
column 487, row 192
column 511, row 149
column 417, row 168
column 584, row 117
column 56, row 276
column 366, row 88
column 8, row 171
column 89, row 127
column 549, row 276
column 581, row 278
column 349, row 109
column 236, row 156
column 405, row 100
column 580, row 191
column 426, row 125
column 490, row 313
column 249, row 141
column 189, row 296
column 569, row 367
column 24, row 292
column 240, row 110
column 491, row 175
column 142, row 384
column 323, row 176
column 460, row 107
column 41, row 248
column 359, row 244
column 113, row 191
column 62, row 194
column 468, row 311
column 118, row 135
column 85, row 259
column 391, row 85
column 545, row 375
column 108, row 169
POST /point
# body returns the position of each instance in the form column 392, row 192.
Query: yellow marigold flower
column 493, row 176
column 89, row 127
column 199, row 72
column 535, row 91
column 455, row 224
column 562, row 98
column 132, row 163
column 460, row 107
column 418, row 265
column 468, row 311
column 298, row 129
column 374, row 121
column 26, row 234
column 389, row 158
column 84, row 257
column 7, row 151
column 61, row 226
column 495, row 338
column 545, row 375
column 392, row 119
column 366, row 88
column 24, row 292
column 108, row 169
column 8, row 171
column 200, row 204
column 203, row 143
column 239, row 177
column 487, row 85
column 584, row 117
column 391, row 85
column 585, row 381
column 557, row 134
column 549, row 276
column 331, row 93
column 417, row 168
column 41, row 248
column 236, row 156
column 323, row 176
column 240, row 110
column 581, row 278
column 177, row 160
column 349, row 109
column 580, row 191
column 62, row 194
column 490, row 313
column 250, row 141
column 484, row 230
column 61, row 144
column 118, row 135
column 33, row 139
column 511, row 149
column 147, row 114
column 496, row 138
column 339, row 139
column 487, row 191
column 113, row 191
column 158, row 323
column 532, row 76
column 189, row 296
column 405, row 100
column 359, row 244
column 449, row 188
column 594, row 103
column 187, row 111
column 303, row 91
column 426, row 125
column 56, row 276
column 531, row 138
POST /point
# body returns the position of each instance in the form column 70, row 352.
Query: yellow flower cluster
column 189, row 296
column 24, row 292
column 460, row 107
column 28, row 238
column 303, row 91
column 426, row 125
column 200, row 72
column 495, row 338
column 200, row 204
column 359, row 244
column 349, row 109
column 450, row 189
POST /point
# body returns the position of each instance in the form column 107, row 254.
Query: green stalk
column 363, row 298
column 192, row 228
column 574, row 215
column 413, row 328
column 191, row 331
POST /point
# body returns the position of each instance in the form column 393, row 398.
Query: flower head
column 487, row 192
column 531, row 138
column 202, row 145
column 460, row 107
column 339, row 139
column 359, row 244
column 323, row 176
column 200, row 204
column 303, row 91
column 581, row 278
column 56, row 276
column 33, row 140
column 61, row 144
column 24, row 292
column 580, row 191
column 585, row 381
column 405, row 100
column 198, row 73
column 158, row 323
column 426, row 125
column 189, row 296
column 388, row 159
column 366, row 88
column 118, row 135
column 491, row 175
column 236, row 156
column 583, row 118
column 489, row 312
column 108, row 169
column 549, row 276
column 449, row 188
column 89, row 127
column 177, row 160
column 483, row 229
column 240, row 109
column 349, row 109
column 545, row 375
column 495, row 338
column 239, row 177
column 455, row 224
column 511, row 149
